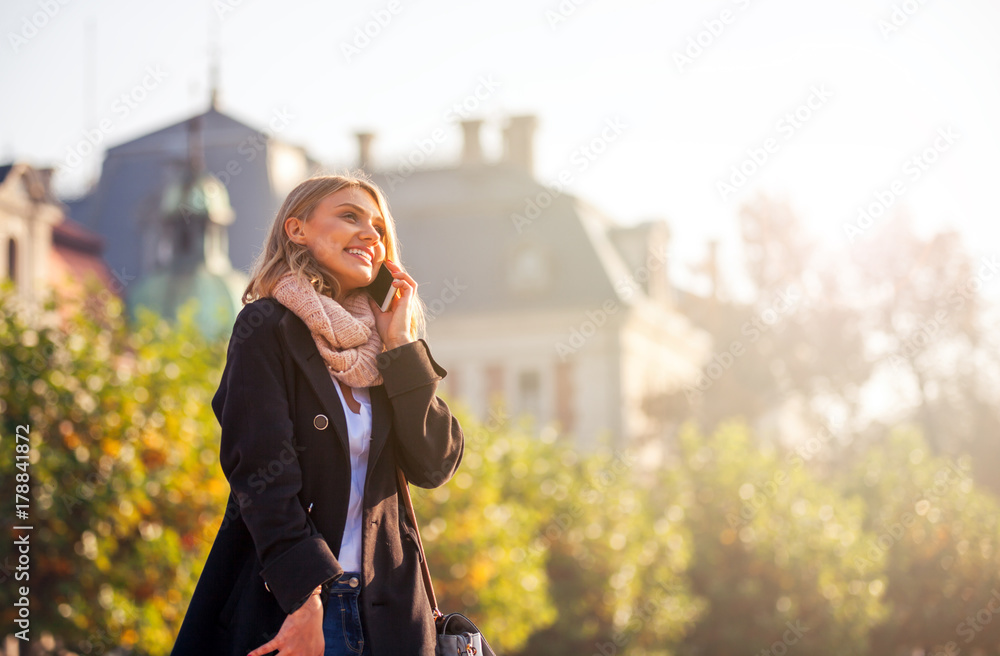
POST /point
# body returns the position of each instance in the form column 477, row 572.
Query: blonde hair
column 281, row 255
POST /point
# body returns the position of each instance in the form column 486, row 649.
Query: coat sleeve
column 259, row 458
column 429, row 440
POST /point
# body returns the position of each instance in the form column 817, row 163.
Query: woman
column 323, row 395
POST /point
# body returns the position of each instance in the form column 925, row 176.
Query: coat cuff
column 408, row 367
column 294, row 574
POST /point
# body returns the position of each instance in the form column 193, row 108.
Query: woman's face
column 344, row 235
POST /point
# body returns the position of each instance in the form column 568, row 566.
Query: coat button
column 353, row 582
column 321, row 422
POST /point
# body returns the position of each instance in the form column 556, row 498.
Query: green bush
column 939, row 537
column 126, row 488
column 774, row 550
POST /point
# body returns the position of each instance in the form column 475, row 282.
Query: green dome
column 204, row 196
column 218, row 296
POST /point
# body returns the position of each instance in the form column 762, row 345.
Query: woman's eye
column 351, row 216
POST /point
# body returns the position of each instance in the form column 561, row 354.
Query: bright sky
column 880, row 94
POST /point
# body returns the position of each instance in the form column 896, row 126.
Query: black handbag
column 456, row 634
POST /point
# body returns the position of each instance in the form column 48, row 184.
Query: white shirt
column 359, row 430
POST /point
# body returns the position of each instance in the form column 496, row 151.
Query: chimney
column 519, row 142
column 364, row 149
column 472, row 149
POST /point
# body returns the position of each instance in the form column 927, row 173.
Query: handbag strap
column 404, row 487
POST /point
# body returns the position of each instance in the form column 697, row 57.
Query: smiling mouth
column 360, row 257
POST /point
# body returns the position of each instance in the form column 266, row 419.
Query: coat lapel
column 306, row 355
column 303, row 349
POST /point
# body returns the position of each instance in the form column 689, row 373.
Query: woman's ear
column 294, row 231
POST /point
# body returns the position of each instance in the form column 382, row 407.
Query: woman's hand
column 300, row 635
column 393, row 325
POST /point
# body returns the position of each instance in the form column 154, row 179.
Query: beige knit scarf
column 345, row 334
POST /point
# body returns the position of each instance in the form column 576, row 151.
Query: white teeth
column 360, row 252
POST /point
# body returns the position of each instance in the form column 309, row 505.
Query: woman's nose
column 370, row 233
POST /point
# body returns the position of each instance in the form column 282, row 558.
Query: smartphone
column 381, row 289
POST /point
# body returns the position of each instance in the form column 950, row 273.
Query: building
column 189, row 230
column 41, row 249
column 256, row 168
column 537, row 300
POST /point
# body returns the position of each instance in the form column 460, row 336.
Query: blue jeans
column 342, row 629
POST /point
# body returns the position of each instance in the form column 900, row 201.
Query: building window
column 12, row 259
column 494, row 386
column 452, row 381
column 529, row 393
column 564, row 395
column 529, row 270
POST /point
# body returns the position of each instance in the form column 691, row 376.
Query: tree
column 773, row 550
column 928, row 327
column 819, row 328
column 125, row 483
column 558, row 552
column 478, row 537
column 939, row 539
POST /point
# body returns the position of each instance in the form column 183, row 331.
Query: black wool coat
column 284, row 450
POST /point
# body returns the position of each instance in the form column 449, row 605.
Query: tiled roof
column 135, row 173
column 455, row 228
